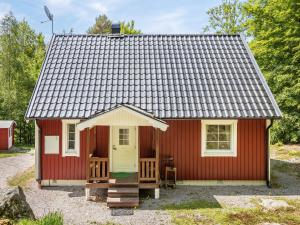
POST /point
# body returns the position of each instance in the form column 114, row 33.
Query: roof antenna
column 49, row 15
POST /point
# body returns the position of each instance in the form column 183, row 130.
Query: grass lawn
column 22, row 179
column 285, row 152
column 204, row 212
column 15, row 151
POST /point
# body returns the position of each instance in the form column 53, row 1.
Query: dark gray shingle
column 171, row 76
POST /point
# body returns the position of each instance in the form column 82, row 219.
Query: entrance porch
column 114, row 158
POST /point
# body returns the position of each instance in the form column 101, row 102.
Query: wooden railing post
column 88, row 169
column 157, row 141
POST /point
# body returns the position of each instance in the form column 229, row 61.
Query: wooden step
column 122, row 202
column 123, row 192
column 114, row 183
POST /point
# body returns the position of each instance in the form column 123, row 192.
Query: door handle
column 114, row 147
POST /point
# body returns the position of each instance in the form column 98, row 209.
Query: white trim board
column 64, row 138
column 122, row 116
column 54, row 183
column 219, row 153
column 221, row 182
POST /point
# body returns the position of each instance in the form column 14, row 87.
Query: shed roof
column 6, row 123
column 169, row 76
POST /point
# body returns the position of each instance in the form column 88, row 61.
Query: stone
column 122, row 212
column 13, row 204
column 5, row 222
column 273, row 204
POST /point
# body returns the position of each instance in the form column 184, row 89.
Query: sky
column 159, row 17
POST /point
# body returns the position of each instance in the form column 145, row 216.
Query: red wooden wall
column 182, row 142
column 3, row 138
column 54, row 166
column 102, row 140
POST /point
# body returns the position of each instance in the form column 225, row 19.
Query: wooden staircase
column 122, row 194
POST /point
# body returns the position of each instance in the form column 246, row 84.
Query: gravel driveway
column 76, row 210
column 11, row 165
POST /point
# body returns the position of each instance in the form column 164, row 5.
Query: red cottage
column 110, row 110
column 7, row 131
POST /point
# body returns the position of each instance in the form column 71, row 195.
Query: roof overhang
column 7, row 123
column 123, row 115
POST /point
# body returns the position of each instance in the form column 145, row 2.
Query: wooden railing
column 148, row 169
column 98, row 169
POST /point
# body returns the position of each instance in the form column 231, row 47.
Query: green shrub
column 54, row 218
column 286, row 130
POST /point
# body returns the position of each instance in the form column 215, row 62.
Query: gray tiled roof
column 170, row 76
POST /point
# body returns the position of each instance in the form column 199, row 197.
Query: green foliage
column 274, row 27
column 274, row 31
column 21, row 56
column 103, row 26
column 210, row 213
column 129, row 28
column 54, row 218
column 226, row 18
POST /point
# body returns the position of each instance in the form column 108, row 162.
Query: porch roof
column 123, row 115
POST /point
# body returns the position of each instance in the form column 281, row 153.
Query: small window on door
column 123, row 136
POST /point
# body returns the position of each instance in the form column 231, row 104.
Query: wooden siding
column 54, row 166
column 102, row 140
column 3, row 138
column 182, row 142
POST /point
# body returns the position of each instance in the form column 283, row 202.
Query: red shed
column 7, row 128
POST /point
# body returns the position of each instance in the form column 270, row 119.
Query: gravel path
column 76, row 210
column 11, row 165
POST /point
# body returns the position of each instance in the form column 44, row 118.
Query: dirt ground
column 76, row 210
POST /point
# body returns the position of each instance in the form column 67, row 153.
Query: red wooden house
column 109, row 105
column 7, row 130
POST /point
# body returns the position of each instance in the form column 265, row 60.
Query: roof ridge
column 136, row 35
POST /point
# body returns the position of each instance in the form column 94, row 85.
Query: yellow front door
column 124, row 154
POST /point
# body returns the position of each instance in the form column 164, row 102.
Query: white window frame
column 65, row 150
column 233, row 141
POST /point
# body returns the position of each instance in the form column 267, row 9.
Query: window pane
column 71, row 145
column 224, row 128
column 123, row 136
column 218, row 137
column 212, row 145
column 224, row 145
column 212, row 128
column 212, row 137
column 71, row 136
column 224, row 137
column 71, row 127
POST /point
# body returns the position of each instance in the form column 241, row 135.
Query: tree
column 21, row 56
column 275, row 31
column 103, row 26
column 129, row 28
column 226, row 18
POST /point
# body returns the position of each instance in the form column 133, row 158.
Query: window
column 219, row 138
column 123, row 136
column 70, row 138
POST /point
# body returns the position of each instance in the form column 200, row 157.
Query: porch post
column 87, row 154
column 157, row 141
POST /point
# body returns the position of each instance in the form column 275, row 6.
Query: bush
column 286, row 130
column 54, row 218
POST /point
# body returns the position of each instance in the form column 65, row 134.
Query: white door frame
column 137, row 148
